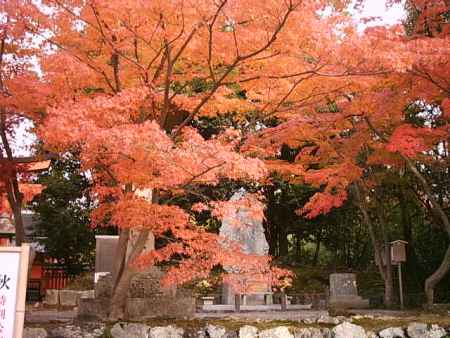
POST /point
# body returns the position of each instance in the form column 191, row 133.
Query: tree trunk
column 284, row 243
column 120, row 256
column 382, row 255
column 120, row 291
column 436, row 277
column 388, row 280
column 412, row 282
column 432, row 281
column 316, row 252
column 18, row 224
column 12, row 185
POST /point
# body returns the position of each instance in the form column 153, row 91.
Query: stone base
column 348, row 302
column 90, row 308
column 146, row 299
column 256, row 293
column 180, row 306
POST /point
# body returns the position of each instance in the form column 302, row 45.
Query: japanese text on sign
column 9, row 273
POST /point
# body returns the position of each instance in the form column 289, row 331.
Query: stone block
column 214, row 331
column 69, row 298
column 312, row 332
column 277, row 332
column 131, row 330
column 328, row 320
column 90, row 308
column 166, row 332
column 343, row 284
column 103, row 288
column 248, row 331
column 34, row 332
column 87, row 294
column 344, row 292
column 161, row 306
column 147, row 284
column 51, row 297
column 392, row 332
column 348, row 330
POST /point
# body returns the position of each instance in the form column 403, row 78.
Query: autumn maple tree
column 122, row 78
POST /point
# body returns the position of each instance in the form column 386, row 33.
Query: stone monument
column 105, row 253
column 344, row 292
column 248, row 232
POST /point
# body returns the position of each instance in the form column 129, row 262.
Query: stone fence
column 66, row 298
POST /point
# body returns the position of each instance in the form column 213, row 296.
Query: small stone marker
column 105, row 253
column 344, row 292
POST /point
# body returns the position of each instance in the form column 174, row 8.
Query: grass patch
column 379, row 324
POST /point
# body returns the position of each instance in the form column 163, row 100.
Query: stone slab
column 344, row 292
column 69, row 298
column 51, row 297
column 87, row 294
column 343, row 284
column 105, row 253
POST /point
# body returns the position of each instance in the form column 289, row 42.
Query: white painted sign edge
column 21, row 289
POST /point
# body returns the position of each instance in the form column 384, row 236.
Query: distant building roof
column 34, row 166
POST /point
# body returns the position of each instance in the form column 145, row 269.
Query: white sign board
column 13, row 277
column 9, row 275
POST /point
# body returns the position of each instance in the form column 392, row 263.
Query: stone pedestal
column 344, row 292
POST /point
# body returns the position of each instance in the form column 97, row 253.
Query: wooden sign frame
column 21, row 287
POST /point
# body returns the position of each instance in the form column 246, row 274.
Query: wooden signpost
column 13, row 285
column 398, row 256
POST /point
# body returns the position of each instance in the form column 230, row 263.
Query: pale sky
column 372, row 8
column 389, row 16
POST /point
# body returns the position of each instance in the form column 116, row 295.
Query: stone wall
column 137, row 330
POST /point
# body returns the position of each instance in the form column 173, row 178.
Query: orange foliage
column 367, row 115
column 120, row 86
column 121, row 78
